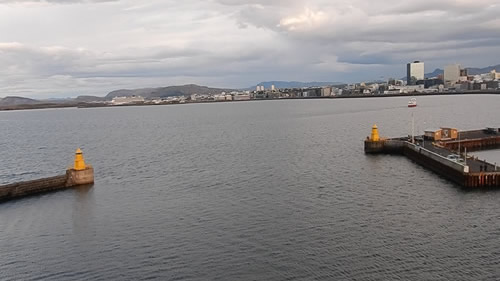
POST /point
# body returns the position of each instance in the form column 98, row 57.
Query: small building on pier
column 433, row 134
column 441, row 134
column 449, row 133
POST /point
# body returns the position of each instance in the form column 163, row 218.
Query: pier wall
column 435, row 157
column 474, row 144
column 74, row 177
column 384, row 146
column 27, row 188
column 482, row 180
column 436, row 163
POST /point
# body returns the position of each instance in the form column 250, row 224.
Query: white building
column 241, row 96
column 451, row 74
column 127, row 100
column 414, row 71
column 405, row 89
column 221, row 97
column 260, row 88
column 495, row 75
column 273, row 88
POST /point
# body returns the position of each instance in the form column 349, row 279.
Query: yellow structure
column 374, row 136
column 449, row 133
column 434, row 134
column 495, row 75
column 79, row 161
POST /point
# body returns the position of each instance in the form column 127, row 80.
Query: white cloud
column 307, row 20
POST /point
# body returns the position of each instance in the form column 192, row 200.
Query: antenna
column 459, row 152
column 412, row 129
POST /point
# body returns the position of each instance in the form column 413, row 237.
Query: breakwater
column 439, row 157
column 79, row 174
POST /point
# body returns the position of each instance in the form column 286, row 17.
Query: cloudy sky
column 61, row 48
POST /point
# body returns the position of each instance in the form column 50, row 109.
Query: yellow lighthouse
column 79, row 161
column 374, row 136
column 80, row 173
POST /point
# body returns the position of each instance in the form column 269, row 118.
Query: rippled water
column 272, row 190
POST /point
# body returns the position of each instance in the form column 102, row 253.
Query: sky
column 66, row 48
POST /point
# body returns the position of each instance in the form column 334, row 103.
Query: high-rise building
column 326, row 91
column 414, row 72
column 451, row 74
column 273, row 88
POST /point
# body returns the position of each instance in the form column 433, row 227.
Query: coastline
column 93, row 105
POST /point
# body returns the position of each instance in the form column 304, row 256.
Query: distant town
column 454, row 80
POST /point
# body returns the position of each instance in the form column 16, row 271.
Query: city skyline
column 70, row 48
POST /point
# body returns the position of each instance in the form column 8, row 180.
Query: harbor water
column 264, row 190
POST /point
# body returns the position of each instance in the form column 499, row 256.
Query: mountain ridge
column 292, row 84
column 161, row 92
column 470, row 71
column 189, row 89
column 15, row 100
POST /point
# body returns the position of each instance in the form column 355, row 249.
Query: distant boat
column 412, row 102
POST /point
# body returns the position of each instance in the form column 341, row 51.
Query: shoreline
column 95, row 105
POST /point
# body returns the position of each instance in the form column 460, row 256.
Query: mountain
column 89, row 99
column 435, row 73
column 10, row 101
column 293, row 84
column 161, row 92
column 470, row 71
column 476, row 71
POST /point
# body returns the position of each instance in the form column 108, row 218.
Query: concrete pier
column 81, row 177
column 79, row 174
column 440, row 157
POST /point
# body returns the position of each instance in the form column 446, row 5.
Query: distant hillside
column 184, row 90
column 435, row 73
column 470, row 71
column 293, row 84
column 89, row 99
column 475, row 71
column 10, row 101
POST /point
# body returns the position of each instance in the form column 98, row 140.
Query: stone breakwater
column 27, row 188
column 441, row 158
column 79, row 174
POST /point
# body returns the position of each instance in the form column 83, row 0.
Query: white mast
column 412, row 128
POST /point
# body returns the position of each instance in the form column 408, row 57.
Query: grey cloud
column 50, row 61
column 457, row 7
column 55, row 1
column 52, row 67
column 234, row 43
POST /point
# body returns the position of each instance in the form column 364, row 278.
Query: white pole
column 423, row 139
column 412, row 129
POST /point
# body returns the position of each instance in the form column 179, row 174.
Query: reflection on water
column 82, row 208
